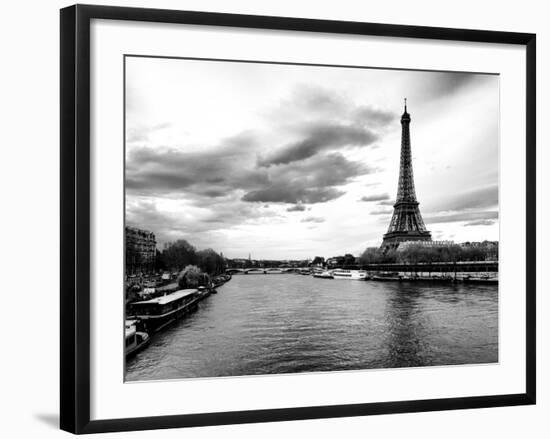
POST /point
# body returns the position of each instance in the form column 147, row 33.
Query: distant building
column 490, row 248
column 484, row 244
column 407, row 244
column 141, row 248
column 238, row 263
column 335, row 261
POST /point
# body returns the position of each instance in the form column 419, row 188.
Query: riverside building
column 141, row 248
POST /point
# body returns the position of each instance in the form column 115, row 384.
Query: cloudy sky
column 285, row 161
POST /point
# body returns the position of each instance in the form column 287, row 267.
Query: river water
column 287, row 323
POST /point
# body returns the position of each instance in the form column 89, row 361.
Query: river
column 287, row 323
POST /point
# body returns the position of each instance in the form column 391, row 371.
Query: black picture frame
column 75, row 217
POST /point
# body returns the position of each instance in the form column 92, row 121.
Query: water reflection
column 406, row 325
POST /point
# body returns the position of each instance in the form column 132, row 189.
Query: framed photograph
column 274, row 218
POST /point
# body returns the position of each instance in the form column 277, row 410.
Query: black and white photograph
column 284, row 218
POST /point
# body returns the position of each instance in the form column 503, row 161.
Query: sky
column 292, row 162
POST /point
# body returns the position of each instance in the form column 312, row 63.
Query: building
column 431, row 244
column 141, row 249
column 406, row 223
column 335, row 261
column 342, row 261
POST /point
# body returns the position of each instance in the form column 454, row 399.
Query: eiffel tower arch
column 406, row 223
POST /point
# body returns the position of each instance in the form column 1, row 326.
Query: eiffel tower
column 406, row 223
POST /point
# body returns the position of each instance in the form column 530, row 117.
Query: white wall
column 30, row 203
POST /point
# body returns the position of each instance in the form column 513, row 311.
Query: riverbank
column 482, row 277
column 159, row 309
column 489, row 278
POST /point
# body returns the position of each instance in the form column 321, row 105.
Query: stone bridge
column 263, row 270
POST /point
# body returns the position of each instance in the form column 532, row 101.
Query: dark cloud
column 374, row 117
column 213, row 193
column 285, row 193
column 469, row 207
column 168, row 225
column 479, row 198
column 376, row 197
column 311, row 98
column 444, row 84
column 381, row 212
column 212, row 172
column 386, row 203
column 320, row 137
column 230, row 168
column 309, row 102
column 323, row 120
column 144, row 214
column 314, row 180
column 296, row 208
column 462, row 216
column 313, row 219
column 482, row 222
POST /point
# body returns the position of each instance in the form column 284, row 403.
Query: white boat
column 135, row 340
column 323, row 275
column 341, row 273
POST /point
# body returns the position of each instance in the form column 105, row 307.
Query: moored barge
column 155, row 314
column 135, row 340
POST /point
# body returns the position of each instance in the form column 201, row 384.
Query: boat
column 304, row 271
column 482, row 279
column 204, row 291
column 218, row 281
column 155, row 314
column 323, row 275
column 165, row 278
column 342, row 273
column 135, row 340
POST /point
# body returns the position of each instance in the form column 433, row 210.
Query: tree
column 210, row 262
column 389, row 256
column 192, row 277
column 349, row 259
column 474, row 253
column 159, row 261
column 451, row 253
column 179, row 254
column 411, row 255
column 318, row 260
column 371, row 255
